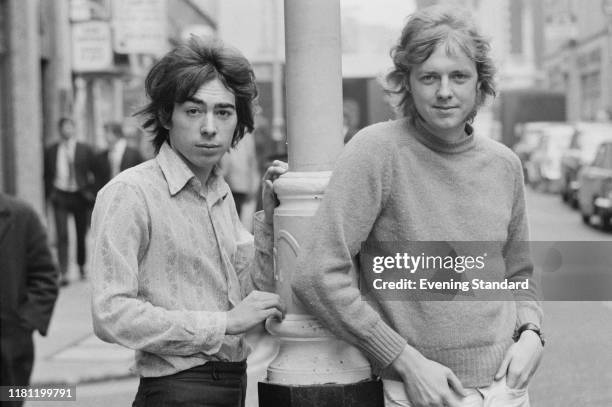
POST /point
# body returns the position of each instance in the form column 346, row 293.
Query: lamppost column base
column 367, row 393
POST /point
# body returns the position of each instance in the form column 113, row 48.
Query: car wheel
column 565, row 192
column 574, row 202
column 605, row 222
column 586, row 218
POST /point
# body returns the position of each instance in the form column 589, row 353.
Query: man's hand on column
column 254, row 309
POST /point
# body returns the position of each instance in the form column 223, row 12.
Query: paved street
column 575, row 371
column 551, row 220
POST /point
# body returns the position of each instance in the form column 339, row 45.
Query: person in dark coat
column 117, row 157
column 70, row 186
column 28, row 288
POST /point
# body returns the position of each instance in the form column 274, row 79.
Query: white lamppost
column 313, row 368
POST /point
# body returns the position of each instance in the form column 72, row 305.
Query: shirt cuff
column 263, row 232
column 384, row 344
column 211, row 330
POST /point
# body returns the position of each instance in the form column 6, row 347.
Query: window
column 591, row 87
column 608, row 157
column 600, row 156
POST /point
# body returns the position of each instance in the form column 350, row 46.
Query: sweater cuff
column 527, row 313
column 384, row 344
column 263, row 232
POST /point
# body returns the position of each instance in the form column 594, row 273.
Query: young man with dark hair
column 70, row 187
column 176, row 276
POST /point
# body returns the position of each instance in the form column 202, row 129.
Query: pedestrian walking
column 28, row 286
column 176, row 276
column 422, row 178
column 70, row 187
column 118, row 157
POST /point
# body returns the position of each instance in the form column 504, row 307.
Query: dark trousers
column 215, row 384
column 17, row 349
column 65, row 203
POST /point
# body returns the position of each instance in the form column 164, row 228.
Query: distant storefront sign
column 85, row 10
column 91, row 46
column 140, row 26
column 80, row 10
column 561, row 28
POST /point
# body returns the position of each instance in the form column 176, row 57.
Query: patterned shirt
column 170, row 259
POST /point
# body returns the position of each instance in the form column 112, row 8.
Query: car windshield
column 590, row 139
column 558, row 138
column 531, row 138
column 531, row 132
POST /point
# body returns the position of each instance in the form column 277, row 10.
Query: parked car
column 587, row 137
column 595, row 187
column 544, row 164
column 529, row 135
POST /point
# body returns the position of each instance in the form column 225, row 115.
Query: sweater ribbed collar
column 440, row 145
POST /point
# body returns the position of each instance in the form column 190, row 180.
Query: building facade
column 80, row 58
column 21, row 146
column 578, row 56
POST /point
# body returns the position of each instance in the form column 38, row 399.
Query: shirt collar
column 178, row 174
column 69, row 144
column 119, row 147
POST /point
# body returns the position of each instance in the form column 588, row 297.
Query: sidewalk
column 71, row 353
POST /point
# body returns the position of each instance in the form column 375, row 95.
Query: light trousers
column 497, row 394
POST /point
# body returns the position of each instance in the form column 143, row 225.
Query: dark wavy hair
column 62, row 120
column 181, row 72
column 424, row 31
column 115, row 128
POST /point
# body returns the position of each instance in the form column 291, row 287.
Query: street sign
column 91, row 46
column 140, row 27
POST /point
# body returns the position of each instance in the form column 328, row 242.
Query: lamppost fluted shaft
column 312, row 363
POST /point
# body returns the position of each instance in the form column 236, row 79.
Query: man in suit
column 118, row 157
column 70, row 186
column 28, row 288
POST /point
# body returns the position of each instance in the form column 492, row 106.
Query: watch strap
column 529, row 327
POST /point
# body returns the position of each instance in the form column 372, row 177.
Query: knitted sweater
column 394, row 183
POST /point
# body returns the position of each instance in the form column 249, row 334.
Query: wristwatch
column 529, row 327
